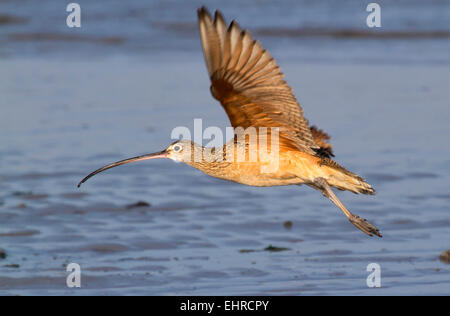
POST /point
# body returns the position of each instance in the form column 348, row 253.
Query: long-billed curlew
column 250, row 86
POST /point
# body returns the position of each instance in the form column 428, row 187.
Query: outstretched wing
column 249, row 84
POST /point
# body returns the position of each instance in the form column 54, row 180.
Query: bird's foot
column 364, row 225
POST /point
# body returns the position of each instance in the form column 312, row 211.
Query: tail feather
column 342, row 179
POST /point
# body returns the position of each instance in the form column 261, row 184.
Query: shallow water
column 62, row 117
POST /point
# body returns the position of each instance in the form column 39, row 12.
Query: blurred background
column 75, row 99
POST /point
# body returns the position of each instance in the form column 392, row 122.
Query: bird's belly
column 291, row 168
column 258, row 175
column 264, row 181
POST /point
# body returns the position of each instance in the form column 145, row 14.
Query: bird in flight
column 248, row 83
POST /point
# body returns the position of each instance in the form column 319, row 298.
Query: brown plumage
column 321, row 139
column 248, row 83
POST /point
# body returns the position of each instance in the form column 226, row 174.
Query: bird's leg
column 322, row 185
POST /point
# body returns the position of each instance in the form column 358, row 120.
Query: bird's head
column 183, row 151
column 179, row 151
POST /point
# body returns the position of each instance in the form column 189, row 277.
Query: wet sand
column 198, row 235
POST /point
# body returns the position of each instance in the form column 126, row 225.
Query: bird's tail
column 342, row 179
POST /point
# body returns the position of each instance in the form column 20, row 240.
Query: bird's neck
column 210, row 160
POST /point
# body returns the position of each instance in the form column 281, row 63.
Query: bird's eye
column 177, row 148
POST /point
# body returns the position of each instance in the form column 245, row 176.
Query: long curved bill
column 162, row 154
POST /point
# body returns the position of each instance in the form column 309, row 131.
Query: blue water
column 72, row 100
column 158, row 27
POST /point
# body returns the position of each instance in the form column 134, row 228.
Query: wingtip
column 218, row 17
column 233, row 24
column 202, row 12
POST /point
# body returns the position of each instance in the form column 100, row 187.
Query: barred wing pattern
column 248, row 83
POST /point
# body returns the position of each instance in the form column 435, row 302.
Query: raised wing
column 249, row 84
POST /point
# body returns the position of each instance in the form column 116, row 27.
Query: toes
column 365, row 226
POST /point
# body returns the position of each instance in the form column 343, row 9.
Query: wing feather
column 248, row 83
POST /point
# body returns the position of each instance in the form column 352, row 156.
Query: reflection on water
column 163, row 228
